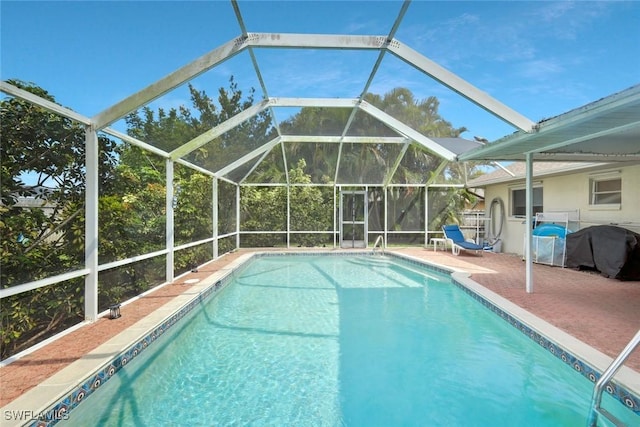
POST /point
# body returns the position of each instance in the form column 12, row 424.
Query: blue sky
column 539, row 58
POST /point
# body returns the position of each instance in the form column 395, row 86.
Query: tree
column 169, row 130
column 43, row 161
column 371, row 163
column 42, row 216
column 263, row 209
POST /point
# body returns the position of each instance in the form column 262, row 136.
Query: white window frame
column 513, row 189
column 594, row 179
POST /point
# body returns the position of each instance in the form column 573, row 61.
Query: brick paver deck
column 604, row 313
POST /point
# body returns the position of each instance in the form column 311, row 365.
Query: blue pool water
column 342, row 340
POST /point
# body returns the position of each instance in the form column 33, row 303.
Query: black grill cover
column 611, row 250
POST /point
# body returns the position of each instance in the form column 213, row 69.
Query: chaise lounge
column 454, row 235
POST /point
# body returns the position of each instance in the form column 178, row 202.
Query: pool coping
column 76, row 381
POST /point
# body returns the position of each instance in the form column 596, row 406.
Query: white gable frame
column 310, row 41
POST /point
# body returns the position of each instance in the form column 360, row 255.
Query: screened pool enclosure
column 98, row 209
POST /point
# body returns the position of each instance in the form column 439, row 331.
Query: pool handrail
column 596, row 399
column 379, row 240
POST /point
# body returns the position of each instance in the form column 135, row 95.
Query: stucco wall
column 570, row 192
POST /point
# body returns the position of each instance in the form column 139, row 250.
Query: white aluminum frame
column 101, row 121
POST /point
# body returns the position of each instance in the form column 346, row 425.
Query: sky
column 539, row 58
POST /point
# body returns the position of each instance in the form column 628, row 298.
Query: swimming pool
column 338, row 340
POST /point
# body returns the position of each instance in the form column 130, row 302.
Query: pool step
column 387, row 263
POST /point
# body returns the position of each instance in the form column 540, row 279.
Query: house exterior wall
column 571, row 192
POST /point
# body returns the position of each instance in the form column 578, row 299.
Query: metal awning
column 607, row 130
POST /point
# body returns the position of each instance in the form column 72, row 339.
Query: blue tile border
column 619, row 392
column 61, row 409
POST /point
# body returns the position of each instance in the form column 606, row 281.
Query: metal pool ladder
column 379, row 240
column 596, row 399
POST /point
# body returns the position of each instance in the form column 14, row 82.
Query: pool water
column 342, row 340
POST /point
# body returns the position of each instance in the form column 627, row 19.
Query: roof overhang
column 607, row 130
column 543, row 170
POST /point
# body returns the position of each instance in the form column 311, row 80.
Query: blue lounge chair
column 453, row 234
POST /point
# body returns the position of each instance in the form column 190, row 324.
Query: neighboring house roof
column 518, row 169
column 33, row 202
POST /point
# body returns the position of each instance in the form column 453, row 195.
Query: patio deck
column 603, row 313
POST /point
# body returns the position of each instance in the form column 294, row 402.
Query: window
column 519, row 201
column 605, row 190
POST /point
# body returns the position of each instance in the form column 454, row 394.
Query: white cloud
column 540, row 69
column 567, row 19
column 463, row 39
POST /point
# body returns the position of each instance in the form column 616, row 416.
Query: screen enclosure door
column 353, row 219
